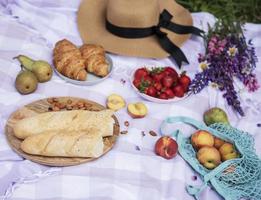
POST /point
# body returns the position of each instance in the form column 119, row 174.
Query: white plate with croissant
column 62, row 131
column 86, row 65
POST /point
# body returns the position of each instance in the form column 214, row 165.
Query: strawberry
column 151, row 91
column 158, row 86
column 167, row 81
column 141, row 73
column 178, row 90
column 185, row 81
column 169, row 71
column 157, row 74
column 143, row 86
column 163, row 96
column 169, row 93
column 136, row 83
column 147, row 79
column 158, row 77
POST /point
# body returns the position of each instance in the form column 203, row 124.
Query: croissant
column 95, row 62
column 88, row 143
column 68, row 60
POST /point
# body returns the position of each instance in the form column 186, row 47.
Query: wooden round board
column 55, row 104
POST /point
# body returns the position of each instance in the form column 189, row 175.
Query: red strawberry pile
column 161, row 82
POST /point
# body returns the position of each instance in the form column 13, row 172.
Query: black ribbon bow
column 165, row 42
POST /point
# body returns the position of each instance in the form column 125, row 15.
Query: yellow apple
column 209, row 157
column 218, row 142
column 202, row 138
column 137, row 110
column 115, row 102
column 227, row 152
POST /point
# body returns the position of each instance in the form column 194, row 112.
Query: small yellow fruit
column 42, row 70
column 202, row 138
column 115, row 102
column 137, row 110
column 215, row 115
column 227, row 152
column 209, row 157
column 26, row 82
column 218, row 142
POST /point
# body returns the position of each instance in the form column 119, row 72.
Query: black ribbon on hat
column 165, row 42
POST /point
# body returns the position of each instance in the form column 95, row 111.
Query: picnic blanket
column 130, row 170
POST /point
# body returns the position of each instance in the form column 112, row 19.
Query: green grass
column 227, row 10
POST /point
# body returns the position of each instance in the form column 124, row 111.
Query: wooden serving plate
column 45, row 105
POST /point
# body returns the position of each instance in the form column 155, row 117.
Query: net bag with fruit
column 233, row 179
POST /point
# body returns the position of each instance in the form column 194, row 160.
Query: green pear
column 42, row 70
column 215, row 115
column 25, row 61
column 26, row 82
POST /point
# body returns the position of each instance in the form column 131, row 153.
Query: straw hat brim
column 91, row 25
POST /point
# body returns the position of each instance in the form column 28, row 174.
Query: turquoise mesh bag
column 233, row 179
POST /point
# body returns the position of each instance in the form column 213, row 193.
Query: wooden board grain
column 42, row 106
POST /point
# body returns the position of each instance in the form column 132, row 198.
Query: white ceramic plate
column 154, row 99
column 91, row 78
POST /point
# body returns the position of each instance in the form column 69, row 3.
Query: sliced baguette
column 76, row 120
column 65, row 144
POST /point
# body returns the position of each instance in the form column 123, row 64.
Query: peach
column 115, row 102
column 209, row 157
column 228, row 151
column 218, row 142
column 166, row 147
column 202, row 138
column 137, row 110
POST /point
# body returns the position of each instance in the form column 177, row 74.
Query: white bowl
column 91, row 78
column 154, row 99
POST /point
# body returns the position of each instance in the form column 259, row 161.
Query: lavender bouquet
column 228, row 57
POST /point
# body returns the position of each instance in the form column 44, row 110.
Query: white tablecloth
column 130, row 170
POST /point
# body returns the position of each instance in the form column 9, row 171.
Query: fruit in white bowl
column 137, row 110
column 161, row 82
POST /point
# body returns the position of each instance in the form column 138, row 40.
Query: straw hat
column 94, row 14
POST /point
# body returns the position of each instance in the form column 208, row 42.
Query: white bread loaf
column 65, row 144
column 75, row 120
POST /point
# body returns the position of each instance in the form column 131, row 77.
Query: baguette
column 75, row 120
column 65, row 144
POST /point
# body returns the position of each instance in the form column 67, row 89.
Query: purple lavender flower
column 216, row 45
column 251, row 83
column 227, row 57
column 201, row 58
